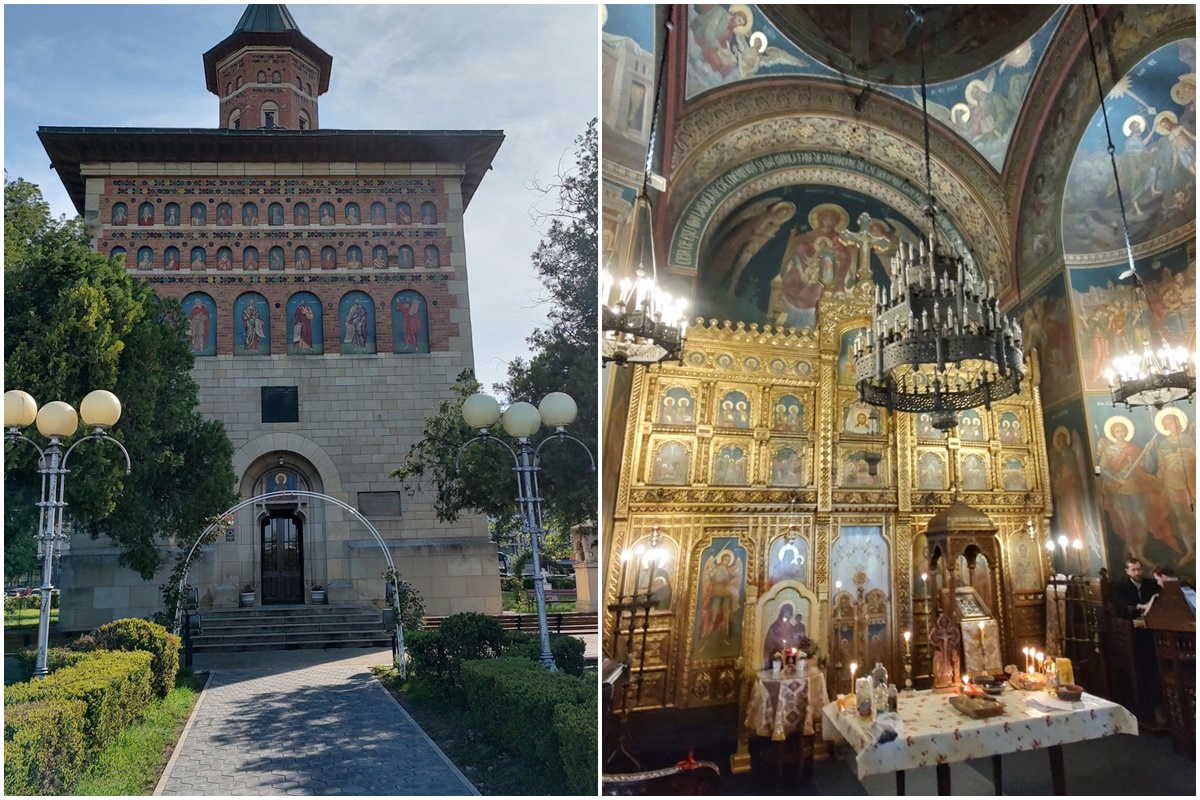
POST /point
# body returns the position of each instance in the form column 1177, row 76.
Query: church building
column 323, row 276
column 773, row 166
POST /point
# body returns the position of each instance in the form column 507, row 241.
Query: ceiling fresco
column 777, row 255
column 1152, row 117
column 627, row 47
column 735, row 43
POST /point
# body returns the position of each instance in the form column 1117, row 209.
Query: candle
column 1025, row 651
column 853, row 669
column 640, row 551
column 1041, row 658
column 625, row 556
column 1078, row 545
column 907, row 636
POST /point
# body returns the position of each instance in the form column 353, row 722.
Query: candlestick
column 1025, row 652
column 625, row 556
column 1078, row 545
column 908, row 683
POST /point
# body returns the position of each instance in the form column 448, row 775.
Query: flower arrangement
column 248, row 588
column 807, row 647
column 317, row 586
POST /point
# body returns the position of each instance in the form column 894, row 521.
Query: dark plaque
column 280, row 404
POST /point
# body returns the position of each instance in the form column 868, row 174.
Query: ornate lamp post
column 521, row 421
column 56, row 421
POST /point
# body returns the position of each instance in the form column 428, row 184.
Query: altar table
column 936, row 734
column 780, row 707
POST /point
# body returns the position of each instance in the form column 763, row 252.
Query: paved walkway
column 304, row 722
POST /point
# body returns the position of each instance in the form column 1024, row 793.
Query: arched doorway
column 281, row 540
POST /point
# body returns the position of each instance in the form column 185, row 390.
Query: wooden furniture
column 1173, row 626
column 759, row 618
column 935, row 735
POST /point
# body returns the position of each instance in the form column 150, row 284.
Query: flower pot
column 246, row 599
column 318, row 597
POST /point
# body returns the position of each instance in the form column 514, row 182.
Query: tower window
column 270, row 113
column 303, row 121
column 238, row 82
column 228, row 88
column 235, row 119
column 309, row 88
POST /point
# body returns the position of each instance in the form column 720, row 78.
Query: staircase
column 289, row 628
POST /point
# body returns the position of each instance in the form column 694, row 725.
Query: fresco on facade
column 734, row 411
column 199, row 215
column 403, row 214
column 117, row 252
column 777, row 255
column 327, row 213
column 145, row 258
column 120, row 214
column 354, row 257
column 201, row 314
column 224, row 214
column 720, row 600
column 249, row 214
column 856, row 472
column 199, row 258
column 429, row 215
column 352, row 215
column 785, row 467
column 378, row 214
column 788, row 561
column 275, row 214
column 300, row 214
column 676, row 407
column 252, row 321
column 307, row 325
column 1071, row 484
column 356, row 317
column 146, row 214
column 627, row 44
column 788, row 415
column 275, row 258
column 931, row 472
column 224, row 258
column 379, row 257
column 730, row 467
column 250, row 258
column 433, row 256
column 1146, row 483
column 670, row 465
column 303, row 258
column 1109, row 319
column 404, row 257
column 410, row 323
column 171, row 214
column 970, row 427
column 1045, row 321
column 1152, row 116
column 328, row 258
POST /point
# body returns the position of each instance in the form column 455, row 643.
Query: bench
column 554, row 595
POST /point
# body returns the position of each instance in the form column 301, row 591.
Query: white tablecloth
column 936, row 732
column 781, row 707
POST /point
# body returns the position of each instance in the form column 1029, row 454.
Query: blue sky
column 531, row 71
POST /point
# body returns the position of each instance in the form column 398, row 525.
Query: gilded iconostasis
column 789, row 185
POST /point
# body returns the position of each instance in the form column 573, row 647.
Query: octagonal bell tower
column 267, row 73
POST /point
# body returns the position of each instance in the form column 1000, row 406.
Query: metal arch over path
column 288, row 494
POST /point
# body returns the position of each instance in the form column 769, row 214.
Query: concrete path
column 304, row 722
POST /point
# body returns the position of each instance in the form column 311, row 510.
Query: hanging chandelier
column 1150, row 378
column 939, row 343
column 641, row 323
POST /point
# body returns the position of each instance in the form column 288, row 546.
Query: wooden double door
column 282, row 548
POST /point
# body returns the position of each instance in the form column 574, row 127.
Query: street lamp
column 521, row 421
column 56, row 421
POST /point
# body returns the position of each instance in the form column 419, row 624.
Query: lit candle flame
column 907, row 635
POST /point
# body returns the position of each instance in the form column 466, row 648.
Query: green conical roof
column 266, row 19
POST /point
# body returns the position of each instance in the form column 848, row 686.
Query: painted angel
column 721, row 593
column 747, row 233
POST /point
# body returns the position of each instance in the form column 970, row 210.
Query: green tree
column 563, row 359
column 75, row 321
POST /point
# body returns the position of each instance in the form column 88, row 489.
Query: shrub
column 115, row 689
column 575, row 727
column 503, row 689
column 567, row 650
column 562, row 582
column 43, row 746
column 470, row 636
column 429, row 662
column 56, row 659
column 138, row 634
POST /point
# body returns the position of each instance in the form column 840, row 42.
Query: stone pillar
column 587, row 585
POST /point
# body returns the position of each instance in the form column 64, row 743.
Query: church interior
column 791, row 478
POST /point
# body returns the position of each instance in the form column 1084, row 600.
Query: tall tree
column 563, row 359
column 75, row 321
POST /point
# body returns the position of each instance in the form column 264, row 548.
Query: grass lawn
column 522, row 603
column 133, row 764
column 27, row 617
column 493, row 771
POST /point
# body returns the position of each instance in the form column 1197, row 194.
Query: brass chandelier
column 939, row 343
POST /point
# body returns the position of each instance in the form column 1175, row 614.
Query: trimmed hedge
column 428, row 656
column 56, row 659
column 138, row 634
column 43, row 747
column 575, row 727
column 500, row 690
column 114, row 689
column 567, row 650
column 438, row 655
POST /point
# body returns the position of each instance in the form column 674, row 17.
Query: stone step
column 289, row 627
column 297, row 644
